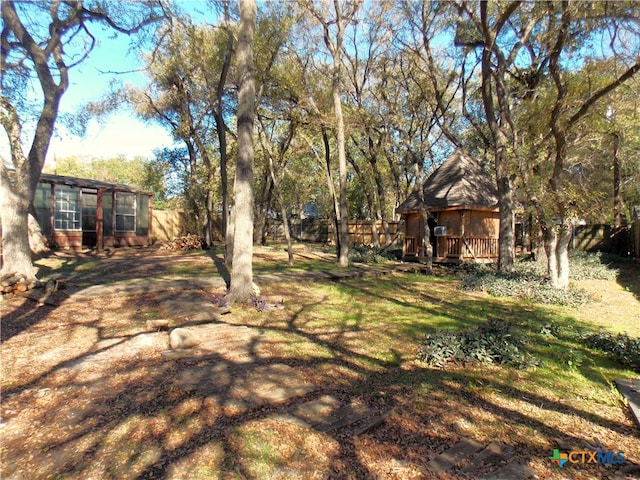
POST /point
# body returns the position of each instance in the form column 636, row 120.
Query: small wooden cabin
column 77, row 212
column 460, row 202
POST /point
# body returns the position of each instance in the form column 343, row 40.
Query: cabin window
column 67, row 208
column 125, row 212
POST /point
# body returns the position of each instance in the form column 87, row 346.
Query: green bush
column 362, row 254
column 621, row 347
column 491, row 342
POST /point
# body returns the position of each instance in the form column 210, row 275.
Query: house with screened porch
column 81, row 213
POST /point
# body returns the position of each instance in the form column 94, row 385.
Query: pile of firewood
column 17, row 283
column 187, row 242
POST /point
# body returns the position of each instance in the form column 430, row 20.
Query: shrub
column 622, row 348
column 362, row 254
column 528, row 281
column 491, row 342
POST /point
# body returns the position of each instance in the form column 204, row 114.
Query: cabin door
column 89, row 208
column 433, row 240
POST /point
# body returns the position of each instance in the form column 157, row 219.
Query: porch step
column 477, row 455
column 454, row 455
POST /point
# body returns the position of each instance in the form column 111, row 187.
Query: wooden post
column 52, row 211
column 99, row 221
column 150, row 230
column 462, row 239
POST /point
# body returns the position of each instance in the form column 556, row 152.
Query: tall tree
column 221, row 128
column 333, row 25
column 44, row 41
column 548, row 172
column 241, row 286
column 494, row 28
column 187, row 92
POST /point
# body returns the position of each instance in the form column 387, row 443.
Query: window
column 125, row 212
column 67, row 208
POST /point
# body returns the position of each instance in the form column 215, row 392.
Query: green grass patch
column 299, row 266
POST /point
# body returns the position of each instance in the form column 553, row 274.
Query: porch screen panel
column 107, row 214
column 67, row 208
column 125, row 212
column 142, row 217
column 42, row 204
column 89, row 204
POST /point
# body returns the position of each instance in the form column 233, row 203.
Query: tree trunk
column 556, row 248
column 499, row 123
column 343, row 258
column 424, row 215
column 369, row 195
column 550, row 246
column 221, row 129
column 506, row 247
column 208, row 231
column 242, row 273
column 37, row 241
column 262, row 210
column 14, row 211
column 381, row 193
column 283, row 210
column 426, row 239
column 562, row 255
column 332, row 190
column 617, row 191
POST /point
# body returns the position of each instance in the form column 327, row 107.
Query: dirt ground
column 91, row 392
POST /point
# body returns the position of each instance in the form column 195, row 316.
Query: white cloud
column 122, row 134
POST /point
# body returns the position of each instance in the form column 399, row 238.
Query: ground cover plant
column 528, row 282
column 88, row 391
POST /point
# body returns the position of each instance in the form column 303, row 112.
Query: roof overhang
column 452, row 208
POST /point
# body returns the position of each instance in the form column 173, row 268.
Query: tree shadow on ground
column 221, row 267
column 135, row 417
column 628, row 275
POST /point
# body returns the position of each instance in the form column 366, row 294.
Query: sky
column 121, row 133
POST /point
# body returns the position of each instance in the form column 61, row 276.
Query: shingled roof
column 88, row 183
column 459, row 182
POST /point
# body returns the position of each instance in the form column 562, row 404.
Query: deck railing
column 456, row 247
column 410, row 245
column 476, row 247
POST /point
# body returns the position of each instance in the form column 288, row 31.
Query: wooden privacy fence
column 168, row 224
column 321, row 230
column 605, row 238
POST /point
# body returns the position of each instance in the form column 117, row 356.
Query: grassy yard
column 126, row 415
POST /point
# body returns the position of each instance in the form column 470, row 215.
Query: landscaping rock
column 182, row 338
